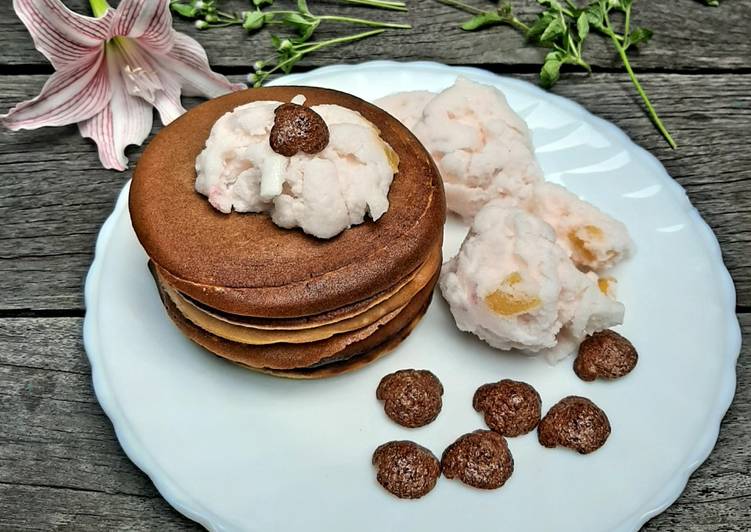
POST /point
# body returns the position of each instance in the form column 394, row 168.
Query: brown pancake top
column 243, row 263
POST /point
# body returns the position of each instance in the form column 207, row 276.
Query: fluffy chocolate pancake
column 298, row 357
column 244, row 264
column 247, row 334
column 402, row 292
column 350, row 364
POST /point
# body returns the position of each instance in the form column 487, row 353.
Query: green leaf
column 639, row 36
column 306, row 32
column 555, row 29
column 261, row 3
column 551, row 70
column 554, row 4
column 184, row 10
column 305, row 27
column 276, row 41
column 595, row 16
column 582, row 26
column 539, row 26
column 295, row 19
column 482, row 20
column 254, row 20
column 302, row 6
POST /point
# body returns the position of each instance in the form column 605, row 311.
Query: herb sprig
column 301, row 21
column 564, row 27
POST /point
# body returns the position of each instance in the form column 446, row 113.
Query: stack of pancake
column 277, row 300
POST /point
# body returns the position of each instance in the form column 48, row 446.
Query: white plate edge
column 664, row 498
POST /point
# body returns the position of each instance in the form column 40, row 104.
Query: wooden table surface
column 61, row 466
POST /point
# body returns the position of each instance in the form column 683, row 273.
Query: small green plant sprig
column 301, row 21
column 564, row 27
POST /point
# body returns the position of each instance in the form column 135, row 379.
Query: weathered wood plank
column 688, row 36
column 53, row 508
column 61, row 466
column 54, row 196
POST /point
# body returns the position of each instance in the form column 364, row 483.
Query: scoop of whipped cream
column 594, row 240
column 515, row 288
column 322, row 193
column 481, row 146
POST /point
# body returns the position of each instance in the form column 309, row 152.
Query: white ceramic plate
column 235, row 450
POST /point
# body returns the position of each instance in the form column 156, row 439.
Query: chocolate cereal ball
column 480, row 459
column 406, row 469
column 605, row 355
column 574, row 422
column 511, row 408
column 412, row 397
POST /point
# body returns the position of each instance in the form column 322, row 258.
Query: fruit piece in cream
column 482, row 148
column 594, row 240
column 515, row 288
column 322, row 193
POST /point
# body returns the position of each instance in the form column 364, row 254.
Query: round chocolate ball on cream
column 306, row 256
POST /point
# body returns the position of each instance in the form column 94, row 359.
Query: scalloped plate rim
column 672, row 490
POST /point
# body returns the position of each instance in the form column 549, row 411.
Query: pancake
column 287, row 357
column 241, row 333
column 351, row 364
column 402, row 292
column 243, row 264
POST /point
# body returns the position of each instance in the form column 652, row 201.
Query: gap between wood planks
column 496, row 68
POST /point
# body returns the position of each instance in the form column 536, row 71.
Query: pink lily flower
column 111, row 70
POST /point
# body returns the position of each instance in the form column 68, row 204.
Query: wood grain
column 54, row 195
column 61, row 465
column 688, row 36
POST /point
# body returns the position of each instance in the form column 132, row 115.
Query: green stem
column 99, row 7
column 312, row 47
column 364, row 22
column 652, row 113
column 518, row 24
column 226, row 15
column 627, row 23
column 461, row 5
column 380, row 4
column 226, row 24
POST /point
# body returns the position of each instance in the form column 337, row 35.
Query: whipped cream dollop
column 593, row 239
column 481, row 146
column 512, row 285
column 530, row 274
column 323, row 193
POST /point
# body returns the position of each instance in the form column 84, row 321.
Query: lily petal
column 148, row 21
column 145, row 78
column 187, row 59
column 126, row 120
column 167, row 101
column 69, row 96
column 63, row 36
